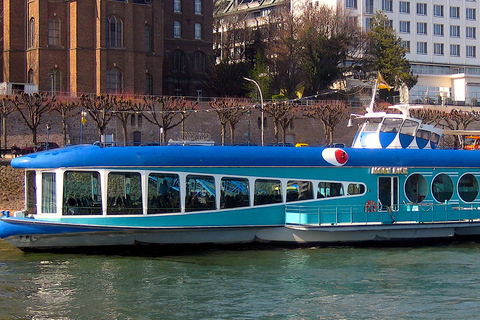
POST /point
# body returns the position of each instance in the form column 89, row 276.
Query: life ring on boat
column 370, row 206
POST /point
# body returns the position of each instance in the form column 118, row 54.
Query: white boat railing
column 359, row 214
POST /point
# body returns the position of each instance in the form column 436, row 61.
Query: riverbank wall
column 11, row 187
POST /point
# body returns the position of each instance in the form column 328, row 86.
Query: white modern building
column 442, row 41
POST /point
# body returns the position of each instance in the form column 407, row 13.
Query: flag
column 382, row 84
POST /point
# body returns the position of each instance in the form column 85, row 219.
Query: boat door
column 388, row 194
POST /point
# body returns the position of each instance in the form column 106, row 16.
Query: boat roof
column 91, row 156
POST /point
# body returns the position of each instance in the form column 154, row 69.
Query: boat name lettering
column 389, row 170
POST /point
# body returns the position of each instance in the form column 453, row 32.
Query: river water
column 435, row 282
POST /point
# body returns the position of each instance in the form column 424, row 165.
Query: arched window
column 54, row 32
column 31, row 76
column 114, row 32
column 177, row 29
column 148, row 39
column 114, row 80
column 55, row 80
column 31, row 33
column 199, row 62
column 148, row 84
column 178, row 60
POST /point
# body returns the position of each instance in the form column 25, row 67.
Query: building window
column 438, row 29
column 352, row 4
column 114, row 32
column 55, row 80
column 198, row 31
column 198, row 6
column 30, row 76
column 177, row 6
column 148, row 84
column 404, row 7
column 455, row 31
column 438, row 49
column 31, row 33
column 422, row 47
column 177, row 29
column 437, row 10
column 406, row 45
column 178, row 61
column 114, row 81
column 471, row 14
column 471, row 32
column 199, row 62
column 148, row 38
column 422, row 9
column 404, row 26
column 368, row 24
column 369, row 6
column 471, row 51
column 387, row 5
column 455, row 12
column 421, row 28
column 54, row 25
column 455, row 50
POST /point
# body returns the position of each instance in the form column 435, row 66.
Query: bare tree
column 282, row 114
column 99, row 108
column 6, row 108
column 229, row 111
column 123, row 110
column 66, row 107
column 330, row 113
column 162, row 111
column 32, row 107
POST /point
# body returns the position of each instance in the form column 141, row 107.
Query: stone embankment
column 11, row 187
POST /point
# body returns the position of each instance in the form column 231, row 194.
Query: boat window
column 468, row 187
column 200, row 193
column 423, row 134
column 371, row 124
column 163, row 193
column 435, row 138
column 267, row 191
column 235, row 193
column 356, row 188
column 409, row 127
column 442, row 188
column 416, row 188
column 329, row 189
column 299, row 190
column 49, row 196
column 124, row 191
column 81, row 193
column 388, row 194
column 391, row 125
column 31, row 187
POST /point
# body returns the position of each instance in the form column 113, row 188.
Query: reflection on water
column 317, row 283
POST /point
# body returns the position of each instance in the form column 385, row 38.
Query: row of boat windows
column 82, row 192
column 442, row 188
column 395, row 125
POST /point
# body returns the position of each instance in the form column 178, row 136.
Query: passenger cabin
column 394, row 131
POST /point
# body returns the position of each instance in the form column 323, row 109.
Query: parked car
column 41, row 146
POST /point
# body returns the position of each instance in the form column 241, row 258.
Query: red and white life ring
column 370, row 206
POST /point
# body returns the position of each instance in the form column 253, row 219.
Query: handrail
column 356, row 214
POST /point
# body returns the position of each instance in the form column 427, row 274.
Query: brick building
column 104, row 46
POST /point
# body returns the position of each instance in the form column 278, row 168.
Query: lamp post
column 261, row 100
column 48, row 132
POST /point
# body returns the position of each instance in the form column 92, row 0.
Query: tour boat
column 393, row 185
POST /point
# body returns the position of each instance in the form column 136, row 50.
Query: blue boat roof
column 240, row 156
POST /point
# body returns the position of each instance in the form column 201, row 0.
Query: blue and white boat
column 393, row 185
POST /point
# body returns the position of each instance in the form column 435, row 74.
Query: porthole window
column 468, row 187
column 442, row 187
column 416, row 188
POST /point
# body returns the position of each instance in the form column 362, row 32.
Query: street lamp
column 261, row 99
column 48, row 132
